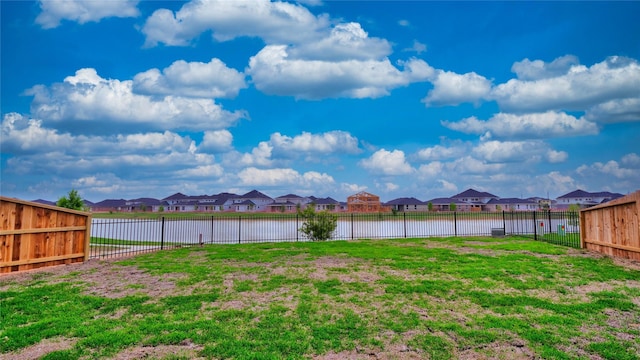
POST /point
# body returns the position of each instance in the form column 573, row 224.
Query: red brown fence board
column 34, row 235
column 613, row 228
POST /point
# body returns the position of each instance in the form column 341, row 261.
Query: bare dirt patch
column 186, row 349
column 102, row 278
column 515, row 350
column 41, row 349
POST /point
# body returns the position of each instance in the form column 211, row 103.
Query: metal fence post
column 404, row 219
column 297, row 227
column 455, row 224
column 535, row 226
column 212, row 229
column 351, row 226
column 162, row 235
column 239, row 228
column 504, row 223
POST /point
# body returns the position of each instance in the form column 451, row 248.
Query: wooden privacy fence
column 613, row 228
column 34, row 235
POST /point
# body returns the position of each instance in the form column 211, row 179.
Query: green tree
column 72, row 201
column 453, row 206
column 318, row 226
column 498, row 208
column 430, row 206
column 574, row 208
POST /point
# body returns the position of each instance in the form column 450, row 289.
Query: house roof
column 473, row 193
column 442, row 201
column 111, row 203
column 255, row 194
column 405, row 201
column 581, row 193
column 289, row 196
column 326, row 201
column 575, row 194
column 245, row 202
column 176, row 196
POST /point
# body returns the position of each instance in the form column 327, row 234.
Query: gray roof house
column 584, row 198
column 259, row 200
column 329, row 204
column 407, row 204
column 512, row 204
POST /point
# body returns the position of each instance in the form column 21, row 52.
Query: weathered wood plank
column 39, row 230
column 41, row 260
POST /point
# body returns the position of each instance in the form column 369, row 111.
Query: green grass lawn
column 436, row 298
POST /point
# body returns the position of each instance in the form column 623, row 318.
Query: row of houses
column 362, row 202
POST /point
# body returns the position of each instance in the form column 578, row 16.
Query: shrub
column 72, row 201
column 318, row 226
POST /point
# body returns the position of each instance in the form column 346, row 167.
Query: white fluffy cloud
column 274, row 73
column 417, row 47
column 23, row 135
column 517, row 151
column 578, row 88
column 431, row 170
column 527, row 126
column 471, row 165
column 216, row 141
column 387, row 163
column 41, row 149
column 275, row 22
column 252, row 176
column 324, row 143
column 631, row 160
column 345, row 42
column 191, row 79
column 87, row 97
column 352, row 188
column 610, row 168
column 441, row 152
column 614, row 111
column 535, row 70
column 206, row 171
column 83, row 11
column 450, row 88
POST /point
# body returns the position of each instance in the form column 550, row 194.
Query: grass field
column 437, row 298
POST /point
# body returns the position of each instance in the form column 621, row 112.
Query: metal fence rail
column 118, row 237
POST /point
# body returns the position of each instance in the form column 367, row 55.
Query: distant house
column 116, row 205
column 257, row 201
column 244, row 206
column 444, row 204
column 143, row 204
column 364, row 202
column 328, row 204
column 407, row 204
column 288, row 203
column 512, row 204
column 473, row 200
column 585, row 199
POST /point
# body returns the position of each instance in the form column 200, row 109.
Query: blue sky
column 128, row 99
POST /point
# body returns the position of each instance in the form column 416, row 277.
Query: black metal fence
column 118, row 237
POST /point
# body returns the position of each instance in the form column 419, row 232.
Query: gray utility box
column 497, row 232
